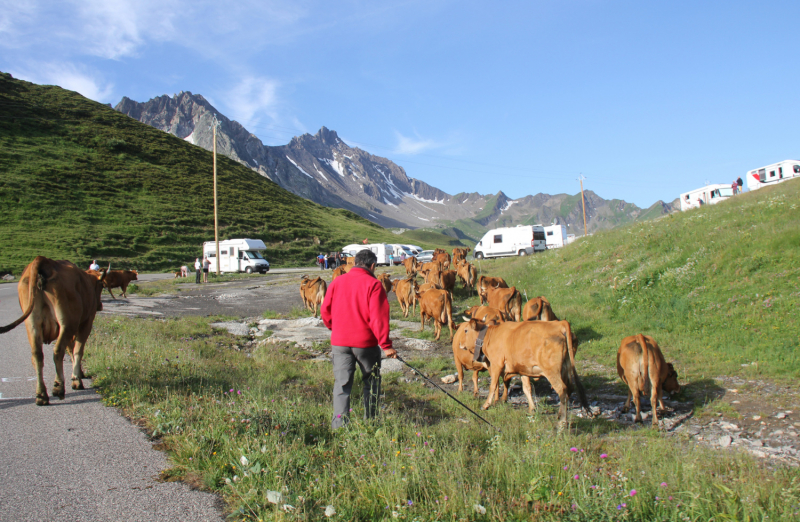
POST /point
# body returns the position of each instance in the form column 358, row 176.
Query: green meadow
column 717, row 287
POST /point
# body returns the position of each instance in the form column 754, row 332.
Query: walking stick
column 446, row 392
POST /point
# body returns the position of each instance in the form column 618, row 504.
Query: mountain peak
column 327, row 136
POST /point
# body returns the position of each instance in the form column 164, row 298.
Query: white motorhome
column 555, row 236
column 237, row 255
column 708, row 195
column 399, row 250
column 772, row 174
column 381, row 250
column 414, row 249
column 521, row 240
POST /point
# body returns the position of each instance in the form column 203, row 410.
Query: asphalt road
column 77, row 460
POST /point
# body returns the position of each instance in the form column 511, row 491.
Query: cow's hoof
column 58, row 390
column 77, row 384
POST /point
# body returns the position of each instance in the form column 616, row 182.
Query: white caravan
column 520, row 240
column 381, row 250
column 414, row 249
column 708, row 195
column 772, row 174
column 399, row 250
column 237, row 255
column 556, row 236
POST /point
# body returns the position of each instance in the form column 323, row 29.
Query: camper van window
column 253, row 255
column 771, row 173
column 797, row 169
column 538, row 235
column 549, row 232
column 211, row 254
column 241, row 254
column 498, row 239
column 762, row 174
column 230, row 250
column 725, row 192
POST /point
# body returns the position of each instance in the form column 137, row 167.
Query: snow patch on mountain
column 299, row 167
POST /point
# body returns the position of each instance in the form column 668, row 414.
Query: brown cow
column 340, row 270
column 484, row 314
column 437, row 305
column 405, row 290
column 485, row 282
column 538, row 309
column 464, row 357
column 412, row 266
column 386, row 281
column 467, row 273
column 507, row 300
column 443, row 259
column 117, row 279
column 424, row 287
column 60, row 302
column 312, row 291
column 640, row 365
column 533, row 349
column 432, row 274
column 447, row 279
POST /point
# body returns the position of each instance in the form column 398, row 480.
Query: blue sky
column 647, row 99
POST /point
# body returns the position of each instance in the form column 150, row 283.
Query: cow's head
column 671, row 382
column 135, row 274
column 98, row 288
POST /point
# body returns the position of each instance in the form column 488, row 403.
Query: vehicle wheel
column 522, row 253
column 248, row 270
column 479, row 255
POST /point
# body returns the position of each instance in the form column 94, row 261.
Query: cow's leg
column 627, row 405
column 563, row 396
column 437, row 326
column 37, row 358
column 526, row 389
column 475, row 392
column 637, row 402
column 77, row 357
column 422, row 319
column 655, row 398
column 59, row 348
column 506, row 385
column 112, row 295
column 494, row 374
column 460, row 371
column 124, row 289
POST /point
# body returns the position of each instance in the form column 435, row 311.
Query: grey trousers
column 344, row 368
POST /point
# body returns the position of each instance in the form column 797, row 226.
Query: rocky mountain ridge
column 324, row 169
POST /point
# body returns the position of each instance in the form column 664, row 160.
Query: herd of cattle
column 60, row 301
column 507, row 339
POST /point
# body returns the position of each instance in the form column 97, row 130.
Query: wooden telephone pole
column 214, row 125
column 582, row 201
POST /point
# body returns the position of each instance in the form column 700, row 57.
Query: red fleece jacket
column 356, row 311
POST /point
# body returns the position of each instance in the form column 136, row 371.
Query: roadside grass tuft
column 243, row 421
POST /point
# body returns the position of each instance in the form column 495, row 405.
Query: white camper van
column 556, row 236
column 709, row 195
column 772, row 174
column 520, row 240
column 399, row 250
column 237, row 255
column 381, row 250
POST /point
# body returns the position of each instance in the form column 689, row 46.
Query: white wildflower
column 330, row 511
column 244, row 461
column 479, row 509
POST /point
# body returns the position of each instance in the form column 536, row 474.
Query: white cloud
column 414, row 145
column 69, row 76
column 253, row 99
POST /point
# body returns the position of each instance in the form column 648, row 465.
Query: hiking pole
column 445, row 391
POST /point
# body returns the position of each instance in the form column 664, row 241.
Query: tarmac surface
column 77, row 459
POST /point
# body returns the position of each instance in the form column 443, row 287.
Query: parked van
column 556, row 236
column 709, row 195
column 521, row 240
column 399, row 250
column 237, row 255
column 771, row 174
column 381, row 250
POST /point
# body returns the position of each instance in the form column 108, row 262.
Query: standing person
column 321, row 261
column 94, row 265
column 326, row 261
column 197, row 267
column 391, row 260
column 734, row 186
column 356, row 311
column 206, row 265
column 741, row 184
column 402, row 257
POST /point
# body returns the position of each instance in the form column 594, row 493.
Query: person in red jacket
column 356, row 311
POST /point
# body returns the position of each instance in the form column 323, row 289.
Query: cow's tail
column 644, row 375
column 573, row 372
column 517, row 304
column 35, row 285
column 447, row 311
column 321, row 291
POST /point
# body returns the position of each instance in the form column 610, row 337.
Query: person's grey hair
column 366, row 258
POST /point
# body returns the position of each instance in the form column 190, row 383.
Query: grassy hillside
column 718, row 287
column 82, row 181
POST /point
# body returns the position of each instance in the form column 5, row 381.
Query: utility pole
column 214, row 126
column 583, row 200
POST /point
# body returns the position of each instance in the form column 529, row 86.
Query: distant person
column 197, row 267
column 734, row 187
column 94, row 265
column 700, row 202
column 740, row 183
column 206, row 266
column 402, row 257
column 356, row 311
column 184, row 271
column 391, row 259
column 326, row 261
column 321, row 261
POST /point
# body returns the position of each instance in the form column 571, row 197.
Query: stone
column 756, row 417
column 725, row 441
column 275, row 497
column 780, row 415
column 233, row 328
column 728, row 426
column 757, row 442
column 391, row 365
column 450, row 379
column 8, row 277
column 758, row 453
